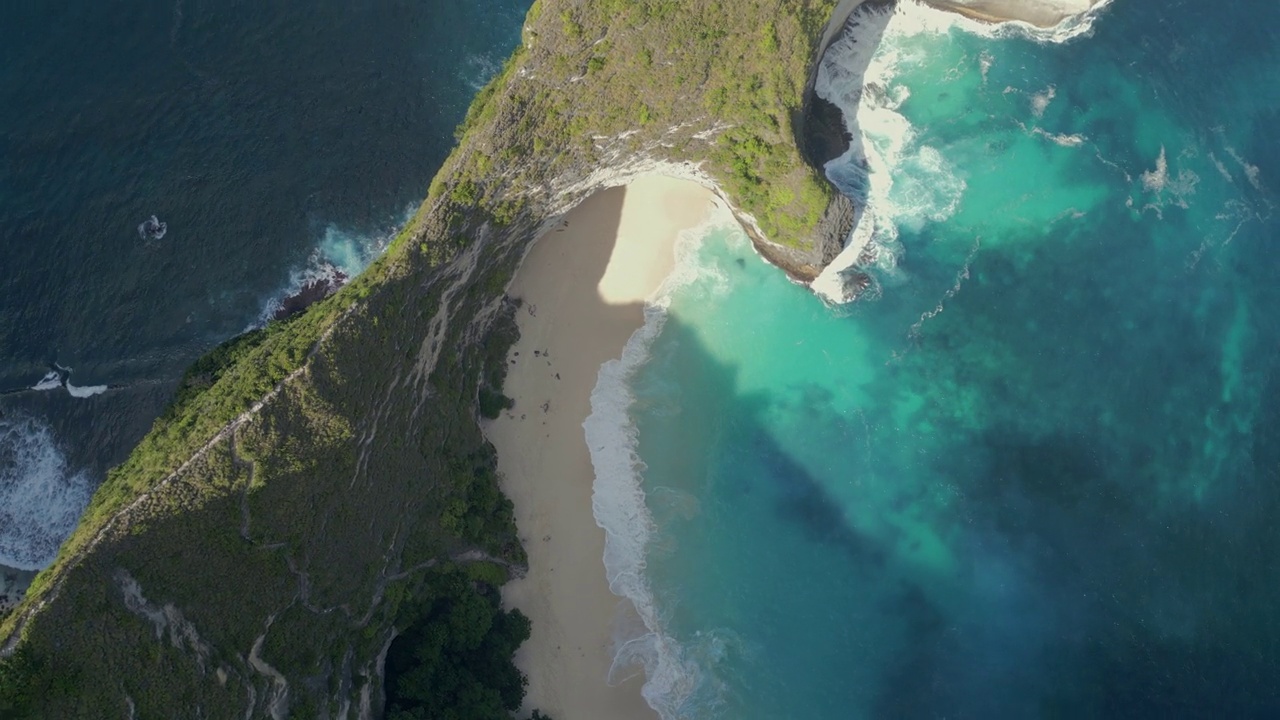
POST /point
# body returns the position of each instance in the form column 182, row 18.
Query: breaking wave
column 895, row 180
column 337, row 258
column 677, row 677
column 41, row 497
column 1077, row 21
column 60, row 377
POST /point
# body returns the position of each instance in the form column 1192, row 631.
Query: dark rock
column 825, row 135
column 820, row 248
column 821, row 136
column 311, row 293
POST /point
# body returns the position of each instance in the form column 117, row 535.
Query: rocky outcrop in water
column 283, row 516
column 805, row 261
column 311, row 292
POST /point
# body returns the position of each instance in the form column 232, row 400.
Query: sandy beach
column 1041, row 13
column 583, row 286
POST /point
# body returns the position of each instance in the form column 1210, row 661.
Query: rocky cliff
column 258, row 552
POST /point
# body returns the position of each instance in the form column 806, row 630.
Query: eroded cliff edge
column 262, row 547
column 257, row 553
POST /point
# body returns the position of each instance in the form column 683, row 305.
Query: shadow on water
column 742, row 442
column 804, row 503
column 1113, row 602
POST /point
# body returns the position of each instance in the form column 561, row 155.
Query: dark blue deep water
column 274, row 139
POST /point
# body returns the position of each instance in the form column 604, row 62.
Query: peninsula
column 329, row 485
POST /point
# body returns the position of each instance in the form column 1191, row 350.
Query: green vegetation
column 502, row 335
column 25, row 679
column 266, row 536
column 246, row 557
column 703, row 80
column 492, row 403
column 454, row 660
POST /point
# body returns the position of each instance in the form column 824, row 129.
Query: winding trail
column 11, row 642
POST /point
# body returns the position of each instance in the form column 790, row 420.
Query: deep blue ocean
column 1035, row 471
column 277, row 141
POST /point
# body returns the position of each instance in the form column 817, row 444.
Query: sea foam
column 674, row 676
column 60, row 377
column 41, row 498
column 1164, row 188
column 895, row 181
column 1077, row 23
column 338, row 257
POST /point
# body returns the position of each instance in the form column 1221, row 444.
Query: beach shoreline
column 583, row 286
column 13, row 586
column 1040, row 14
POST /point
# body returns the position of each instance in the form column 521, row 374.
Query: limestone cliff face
column 1038, row 13
column 821, row 133
column 725, row 91
column 821, row 136
column 820, row 245
column 256, row 554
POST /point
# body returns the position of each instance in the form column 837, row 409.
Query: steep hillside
column 314, row 483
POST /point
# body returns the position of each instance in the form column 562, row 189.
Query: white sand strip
column 583, row 285
column 1041, row 13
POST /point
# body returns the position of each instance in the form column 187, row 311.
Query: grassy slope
column 660, row 72
column 304, row 529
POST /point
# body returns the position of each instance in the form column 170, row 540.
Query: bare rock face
column 822, row 246
column 834, row 228
column 310, row 293
column 825, row 135
column 822, row 136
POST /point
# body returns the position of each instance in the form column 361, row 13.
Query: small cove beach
column 583, row 287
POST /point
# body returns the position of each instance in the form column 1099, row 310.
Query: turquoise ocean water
column 1035, row 473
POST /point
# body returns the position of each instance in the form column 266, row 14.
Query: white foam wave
column 1062, row 139
column 1154, row 180
column 985, row 62
column 1221, row 167
column 897, row 181
column 1251, row 171
column 835, row 284
column 1078, row 20
column 1040, row 101
column 1169, row 188
column 41, row 498
column 61, row 378
column 318, row 269
column 338, row 257
column 78, row 391
column 674, row 674
column 51, row 381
